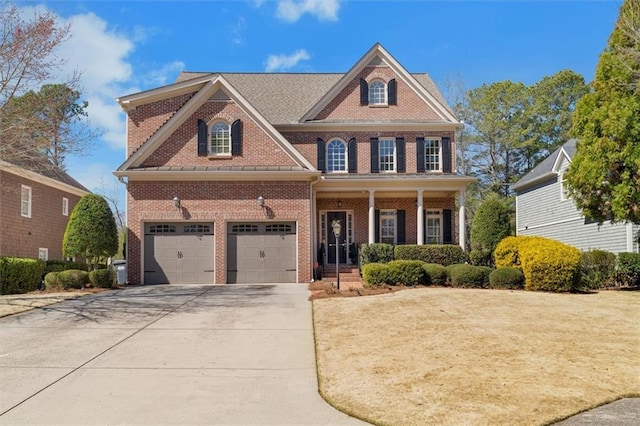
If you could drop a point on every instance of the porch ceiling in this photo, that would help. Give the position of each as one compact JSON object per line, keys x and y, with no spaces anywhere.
{"x":394,"y":184}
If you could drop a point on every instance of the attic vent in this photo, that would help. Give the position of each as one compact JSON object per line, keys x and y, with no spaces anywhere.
{"x":220,"y":95}
{"x":377,"y":62}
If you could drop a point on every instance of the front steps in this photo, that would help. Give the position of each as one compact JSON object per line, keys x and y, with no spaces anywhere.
{"x":349,"y":276}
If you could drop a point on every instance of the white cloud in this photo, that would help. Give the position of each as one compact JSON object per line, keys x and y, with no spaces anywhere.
{"x":284,"y":62}
{"x":324,"y":10}
{"x":237,"y":30}
{"x":160,"y":76}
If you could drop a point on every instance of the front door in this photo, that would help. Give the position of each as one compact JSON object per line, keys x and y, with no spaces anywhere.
{"x":331,"y":240}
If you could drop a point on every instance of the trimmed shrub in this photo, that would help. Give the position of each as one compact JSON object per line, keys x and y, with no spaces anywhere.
{"x":597,"y":268}
{"x":100,"y":278}
{"x":450,"y":268}
{"x":436,"y":274}
{"x":20,"y":275}
{"x":442,"y":254}
{"x":376,"y":274}
{"x":480,"y":257}
{"x":629,"y":268}
{"x":467,"y":276}
{"x":548,"y":265}
{"x":73,"y":278}
{"x":491,"y":223}
{"x":51,"y":281}
{"x":407,"y":272}
{"x":63,"y":265}
{"x":507,"y":278}
{"x":486,"y":271}
{"x":376,"y":253}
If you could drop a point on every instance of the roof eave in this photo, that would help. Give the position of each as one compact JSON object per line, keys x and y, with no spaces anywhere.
{"x":199,"y":175}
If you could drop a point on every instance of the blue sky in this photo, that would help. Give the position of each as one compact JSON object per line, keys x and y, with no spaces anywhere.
{"x":123,"y":47}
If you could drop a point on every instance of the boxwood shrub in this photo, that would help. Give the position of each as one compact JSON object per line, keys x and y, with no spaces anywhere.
{"x":100,"y":278}
{"x":63,"y":265}
{"x":436,"y":274}
{"x":376,"y":253}
{"x":468,"y":276}
{"x":442,"y":254}
{"x":507,"y":278}
{"x":629,"y":268}
{"x":20,"y":275}
{"x":450,"y":268}
{"x":406,"y":272}
{"x":73,"y":278}
{"x":376,"y":274}
{"x":597,"y":269}
{"x":51,"y":281}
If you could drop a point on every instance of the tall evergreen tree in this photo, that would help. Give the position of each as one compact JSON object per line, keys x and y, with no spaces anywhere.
{"x":604,"y":176}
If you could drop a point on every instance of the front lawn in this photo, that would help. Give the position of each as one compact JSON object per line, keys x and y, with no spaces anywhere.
{"x":454,"y":356}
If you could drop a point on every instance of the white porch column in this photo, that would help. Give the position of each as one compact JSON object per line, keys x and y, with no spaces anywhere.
{"x":461,"y":219}
{"x":420,"y":218}
{"x":372,"y":217}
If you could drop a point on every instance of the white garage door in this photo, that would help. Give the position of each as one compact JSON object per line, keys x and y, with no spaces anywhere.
{"x":178,"y":253}
{"x":261,"y":253}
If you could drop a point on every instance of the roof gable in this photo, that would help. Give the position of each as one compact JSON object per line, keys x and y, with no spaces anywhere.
{"x":213,"y":86}
{"x":550,"y":166}
{"x":49,"y":176}
{"x":375,"y":56}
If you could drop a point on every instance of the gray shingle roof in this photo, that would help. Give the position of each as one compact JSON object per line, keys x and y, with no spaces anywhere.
{"x":545,"y":168}
{"x":283,"y":98}
{"x":46,"y":169}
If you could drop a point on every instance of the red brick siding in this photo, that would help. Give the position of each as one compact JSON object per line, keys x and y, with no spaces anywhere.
{"x":218,"y":202}
{"x":21,"y":236}
{"x":181,"y":148}
{"x":346,"y":105}
{"x":306,"y":144}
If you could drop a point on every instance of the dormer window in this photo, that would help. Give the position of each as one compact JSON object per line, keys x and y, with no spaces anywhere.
{"x":377,"y":93}
{"x":220,"y":139}
{"x":336,"y":156}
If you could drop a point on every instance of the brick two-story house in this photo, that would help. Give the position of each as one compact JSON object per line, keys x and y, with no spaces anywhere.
{"x":237,"y":177}
{"x":35,"y":205}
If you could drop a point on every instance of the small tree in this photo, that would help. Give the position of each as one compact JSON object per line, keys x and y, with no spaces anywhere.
{"x":91,"y":231}
{"x":491,"y":223}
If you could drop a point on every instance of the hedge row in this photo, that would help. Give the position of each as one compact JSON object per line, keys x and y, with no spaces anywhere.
{"x":440,"y":254}
{"x":20,"y":275}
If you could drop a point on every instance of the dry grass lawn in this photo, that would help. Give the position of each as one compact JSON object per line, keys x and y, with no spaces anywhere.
{"x":454,"y":356}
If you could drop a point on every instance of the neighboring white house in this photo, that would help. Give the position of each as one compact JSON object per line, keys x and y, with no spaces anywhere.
{"x":544,"y":209}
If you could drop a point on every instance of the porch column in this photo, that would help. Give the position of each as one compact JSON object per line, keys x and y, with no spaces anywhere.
{"x":420,"y":219}
{"x":372,"y":217}
{"x":461,"y":219}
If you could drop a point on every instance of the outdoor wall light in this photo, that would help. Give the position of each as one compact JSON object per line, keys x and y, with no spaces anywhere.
{"x":176,"y":202}
{"x":336,"y":227}
{"x":339,"y":203}
{"x":261,"y":202}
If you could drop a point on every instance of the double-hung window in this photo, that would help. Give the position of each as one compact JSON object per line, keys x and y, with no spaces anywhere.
{"x":387,"y":154}
{"x":433,"y":228}
{"x":65,"y":206}
{"x":378,"y":93}
{"x":25,"y":201}
{"x":388,"y":226}
{"x":220,"y":139}
{"x":336,"y":156}
{"x":432,"y":155}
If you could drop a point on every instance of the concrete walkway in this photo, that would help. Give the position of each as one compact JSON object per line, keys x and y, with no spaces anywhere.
{"x":165,"y":355}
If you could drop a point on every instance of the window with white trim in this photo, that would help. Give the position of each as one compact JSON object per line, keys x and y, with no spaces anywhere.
{"x":433,"y":227}
{"x":377,"y":93}
{"x":336,"y":156}
{"x":43,"y":254}
{"x":220,"y":138}
{"x":25,"y":202}
{"x":388,"y":226}
{"x":387,"y":154}
{"x":65,"y":206}
{"x":564,"y":192}
{"x":432,"y":155}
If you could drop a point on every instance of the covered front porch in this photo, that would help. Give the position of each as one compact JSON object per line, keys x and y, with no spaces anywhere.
{"x":382,"y":210}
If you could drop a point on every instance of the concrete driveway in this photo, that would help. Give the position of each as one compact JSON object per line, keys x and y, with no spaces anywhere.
{"x":240,"y":354}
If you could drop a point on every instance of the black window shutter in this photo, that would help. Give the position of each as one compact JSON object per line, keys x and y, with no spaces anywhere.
{"x":322,"y":155}
{"x":400,"y":224}
{"x":447,"y":232}
{"x":392,"y":92}
{"x":236,"y":138}
{"x":377,"y":236}
{"x":446,"y":155}
{"x":353,"y":156}
{"x":202,"y":138}
{"x":374,"y":156}
{"x":400,"y":154}
{"x":364,"y":92}
{"x":420,"y":156}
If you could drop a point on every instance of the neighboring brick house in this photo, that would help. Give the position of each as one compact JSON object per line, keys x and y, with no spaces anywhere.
{"x":35,"y":204}
{"x":544,"y":209}
{"x":237,"y":177}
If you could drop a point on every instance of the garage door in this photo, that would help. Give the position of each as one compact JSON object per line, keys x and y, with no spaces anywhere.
{"x":178,"y":253}
{"x":261,"y":253}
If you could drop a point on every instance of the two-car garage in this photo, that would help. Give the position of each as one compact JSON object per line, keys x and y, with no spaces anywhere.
{"x":184,"y":253}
